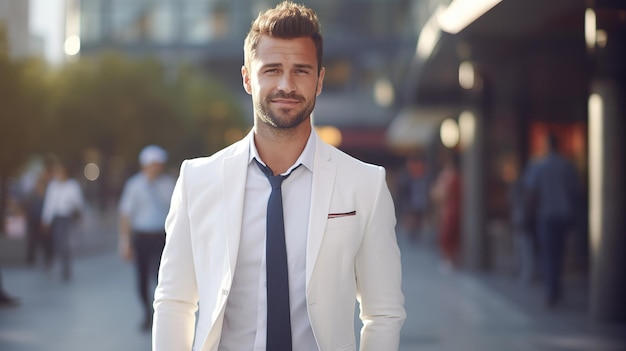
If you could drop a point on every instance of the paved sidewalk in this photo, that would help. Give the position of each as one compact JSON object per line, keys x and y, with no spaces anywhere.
{"x":485,"y":312}
{"x":98,"y":309}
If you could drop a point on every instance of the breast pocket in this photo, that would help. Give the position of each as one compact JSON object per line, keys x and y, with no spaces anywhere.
{"x":343,"y":234}
{"x":342,"y":222}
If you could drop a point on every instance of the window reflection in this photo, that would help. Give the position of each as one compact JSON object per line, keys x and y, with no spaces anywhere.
{"x":196,"y":24}
{"x":91,"y":24}
{"x":362,"y":35}
{"x":143,"y":20}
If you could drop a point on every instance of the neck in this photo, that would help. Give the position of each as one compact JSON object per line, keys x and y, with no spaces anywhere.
{"x":279,"y":150}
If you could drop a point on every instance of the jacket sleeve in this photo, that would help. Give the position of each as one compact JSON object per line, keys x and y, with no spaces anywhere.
{"x":379,"y":275}
{"x":176,"y":295}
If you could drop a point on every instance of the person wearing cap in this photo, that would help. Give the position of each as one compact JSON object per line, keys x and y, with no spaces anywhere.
{"x":143,"y":207}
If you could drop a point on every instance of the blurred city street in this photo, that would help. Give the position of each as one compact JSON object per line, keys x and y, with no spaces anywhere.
{"x":489,"y":312}
{"x":98,"y":309}
{"x":498,"y":122}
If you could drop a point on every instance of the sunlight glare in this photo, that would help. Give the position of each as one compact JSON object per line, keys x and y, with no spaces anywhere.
{"x":449,"y":133}
{"x":92,"y":172}
{"x":72,"y":45}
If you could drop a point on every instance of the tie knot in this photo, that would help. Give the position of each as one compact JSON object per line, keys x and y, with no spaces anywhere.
{"x":275,"y":180}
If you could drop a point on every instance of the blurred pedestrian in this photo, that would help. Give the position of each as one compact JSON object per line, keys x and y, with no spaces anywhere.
{"x":143,"y":207}
{"x":522,"y":224}
{"x":446,"y":193}
{"x":554,"y":192}
{"x":37,"y":242}
{"x":62,"y":209}
{"x":412,"y":196}
{"x":271,"y":240}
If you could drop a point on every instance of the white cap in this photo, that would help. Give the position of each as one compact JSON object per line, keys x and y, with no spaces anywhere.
{"x":152,"y":154}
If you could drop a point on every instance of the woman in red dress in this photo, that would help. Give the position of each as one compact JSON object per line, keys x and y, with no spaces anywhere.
{"x":446,"y":193}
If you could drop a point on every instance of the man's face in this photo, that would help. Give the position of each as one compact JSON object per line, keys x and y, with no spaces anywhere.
{"x":283,"y":81}
{"x":61,"y":173}
{"x":154,"y":169}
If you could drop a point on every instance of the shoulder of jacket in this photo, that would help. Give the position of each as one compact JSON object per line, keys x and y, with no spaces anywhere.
{"x":214,"y":159}
{"x":349,"y":162}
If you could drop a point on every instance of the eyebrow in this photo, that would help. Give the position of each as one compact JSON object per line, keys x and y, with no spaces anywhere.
{"x":304,"y":65}
{"x":297,"y":65}
{"x":271,"y":65}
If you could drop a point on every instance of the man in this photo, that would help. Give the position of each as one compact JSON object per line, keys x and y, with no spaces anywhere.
{"x":143,"y":207}
{"x":554,"y":194}
{"x":338,"y":222}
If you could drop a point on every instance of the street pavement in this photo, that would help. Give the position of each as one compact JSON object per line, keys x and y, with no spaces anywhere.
{"x":463,"y":311}
{"x":454,"y":311}
{"x":97,"y":310}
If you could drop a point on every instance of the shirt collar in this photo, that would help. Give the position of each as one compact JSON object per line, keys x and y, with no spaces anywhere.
{"x":306,"y":157}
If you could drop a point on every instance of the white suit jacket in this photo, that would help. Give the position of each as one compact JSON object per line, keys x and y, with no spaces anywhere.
{"x":347,"y":257}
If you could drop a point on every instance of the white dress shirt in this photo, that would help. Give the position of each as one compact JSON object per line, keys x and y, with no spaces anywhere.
{"x":245,"y":321}
{"x":61,"y":199}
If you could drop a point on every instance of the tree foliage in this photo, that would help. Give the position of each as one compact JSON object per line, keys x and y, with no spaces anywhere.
{"x":118,"y":105}
{"x":19,"y":110}
{"x":113,"y":105}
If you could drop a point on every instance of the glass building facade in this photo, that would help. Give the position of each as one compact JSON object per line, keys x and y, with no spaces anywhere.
{"x":202,"y":21}
{"x":366,"y":41}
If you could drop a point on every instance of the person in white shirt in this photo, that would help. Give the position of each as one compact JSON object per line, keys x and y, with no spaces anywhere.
{"x":62,"y":206}
{"x":226,"y":280}
{"x":143,"y":207}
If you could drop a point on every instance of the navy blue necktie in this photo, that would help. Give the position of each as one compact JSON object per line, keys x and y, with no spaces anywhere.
{"x":278,"y":311}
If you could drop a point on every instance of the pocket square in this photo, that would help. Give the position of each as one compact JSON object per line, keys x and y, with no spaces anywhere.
{"x":343,"y":214}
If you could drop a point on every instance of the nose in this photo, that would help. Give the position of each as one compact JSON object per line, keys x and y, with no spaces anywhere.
{"x":286,"y":83}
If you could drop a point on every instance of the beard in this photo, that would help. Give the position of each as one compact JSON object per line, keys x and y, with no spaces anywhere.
{"x":284,"y":118}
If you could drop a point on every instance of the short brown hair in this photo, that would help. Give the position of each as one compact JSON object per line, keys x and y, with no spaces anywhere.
{"x":286,"y":21}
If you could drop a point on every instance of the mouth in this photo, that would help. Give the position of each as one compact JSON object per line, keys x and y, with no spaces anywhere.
{"x":285,"y":102}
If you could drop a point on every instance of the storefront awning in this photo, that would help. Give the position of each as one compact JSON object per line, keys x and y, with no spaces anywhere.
{"x":417,"y":127}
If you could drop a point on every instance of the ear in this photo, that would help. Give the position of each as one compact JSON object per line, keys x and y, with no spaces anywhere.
{"x":245,"y":75}
{"x":320,"y":82}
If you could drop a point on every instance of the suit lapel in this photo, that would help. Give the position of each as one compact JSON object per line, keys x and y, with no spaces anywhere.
{"x":234,"y":175}
{"x":324,"y":169}
{"x":233,"y":193}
